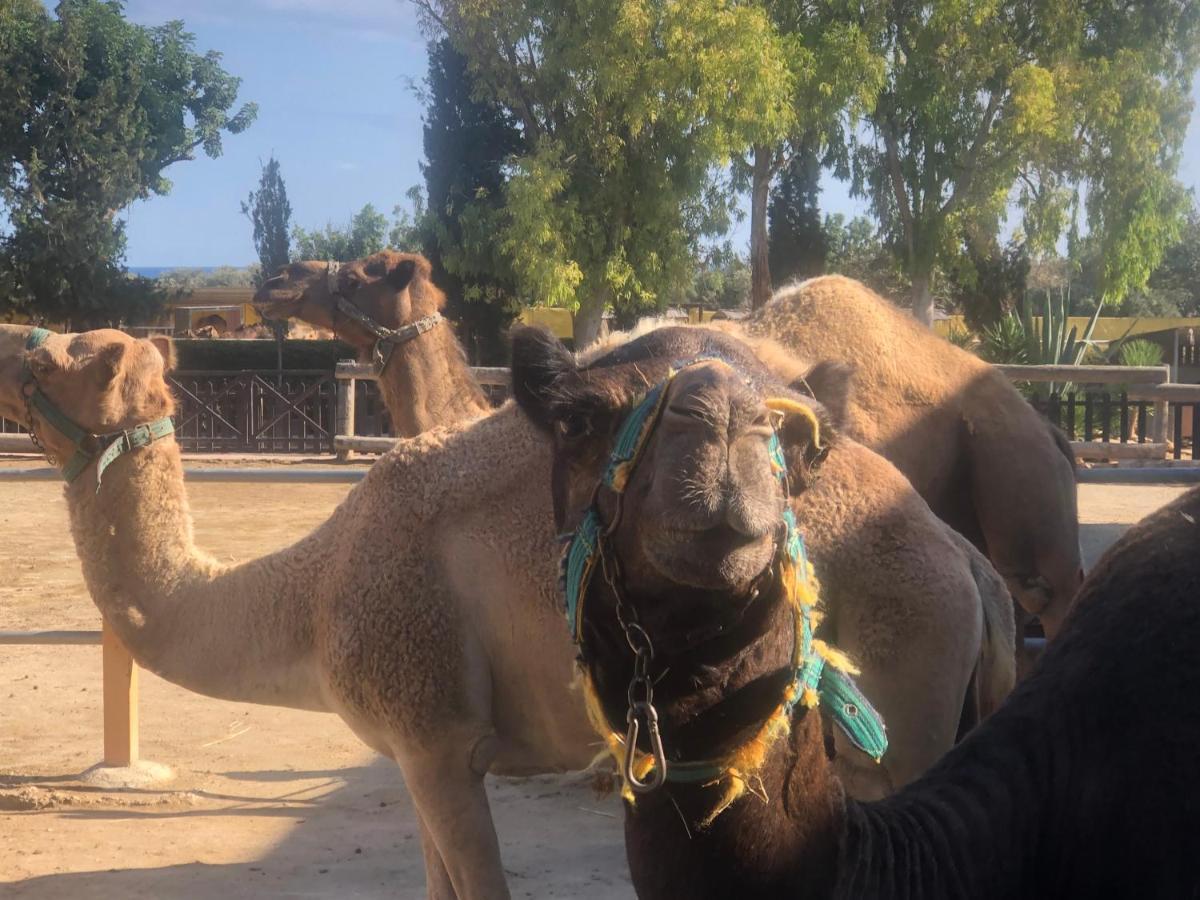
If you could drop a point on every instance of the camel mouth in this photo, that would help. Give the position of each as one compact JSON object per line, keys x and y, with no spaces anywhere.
{"x":276,"y":302}
{"x":712,"y":559}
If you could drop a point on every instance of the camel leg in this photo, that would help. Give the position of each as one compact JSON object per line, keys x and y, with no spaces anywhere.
{"x":453,"y":805}
{"x":437,"y":880}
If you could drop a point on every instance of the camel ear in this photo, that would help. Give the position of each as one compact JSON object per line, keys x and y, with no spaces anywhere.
{"x":166,"y":349}
{"x":401,"y":274}
{"x":109,"y":362}
{"x":830,"y":383}
{"x":540,"y":365}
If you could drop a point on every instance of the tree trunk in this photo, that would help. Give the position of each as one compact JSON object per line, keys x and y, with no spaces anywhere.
{"x":589,"y":318}
{"x":922,"y":296}
{"x":760,"y":271}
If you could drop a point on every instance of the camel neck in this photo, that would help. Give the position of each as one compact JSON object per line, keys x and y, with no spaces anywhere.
{"x":239,"y":633}
{"x":427,"y":383}
{"x":710,"y":699}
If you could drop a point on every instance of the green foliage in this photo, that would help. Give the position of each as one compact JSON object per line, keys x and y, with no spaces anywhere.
{"x":1141,"y":352}
{"x":855,"y":250}
{"x":626,"y":112}
{"x":364,"y":234}
{"x":961,"y":338}
{"x":797,"y":242}
{"x":93,"y":110}
{"x":467,"y":138}
{"x":270,"y":213}
{"x":984,"y":96}
{"x":1005,"y":342}
{"x":1054,"y":341}
{"x":986,"y":280}
{"x":721,"y":280}
{"x":190,"y":279}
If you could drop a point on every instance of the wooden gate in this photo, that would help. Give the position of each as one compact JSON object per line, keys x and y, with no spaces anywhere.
{"x":254,"y":412}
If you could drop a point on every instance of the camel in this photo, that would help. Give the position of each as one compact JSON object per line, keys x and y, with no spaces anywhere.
{"x":982,"y":458}
{"x":1083,"y":784}
{"x":417,"y":634}
{"x":935,"y":660}
{"x":972,"y":447}
{"x":387,"y":307}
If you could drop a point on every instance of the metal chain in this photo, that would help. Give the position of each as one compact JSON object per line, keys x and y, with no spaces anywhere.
{"x":639,"y":694}
{"x":28,"y":397}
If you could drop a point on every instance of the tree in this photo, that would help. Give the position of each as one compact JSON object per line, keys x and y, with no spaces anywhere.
{"x":798,"y":244}
{"x":625,"y":112}
{"x":270,"y":213}
{"x":855,"y":250}
{"x":986,"y":281}
{"x":987,"y":100}
{"x":834,"y":73}
{"x":363,"y":235}
{"x":192,"y":279}
{"x":467,"y":139}
{"x":94,"y":110}
{"x":721,"y":279}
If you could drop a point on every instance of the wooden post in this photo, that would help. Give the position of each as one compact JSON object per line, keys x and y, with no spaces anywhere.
{"x":345,"y":415}
{"x":120,"y":702}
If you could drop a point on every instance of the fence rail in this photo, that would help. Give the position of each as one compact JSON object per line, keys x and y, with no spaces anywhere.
{"x":1107,"y":412}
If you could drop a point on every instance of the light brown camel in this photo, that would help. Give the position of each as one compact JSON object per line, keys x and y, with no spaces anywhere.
{"x":417,"y":634}
{"x":1083,"y":784}
{"x":916,"y":605}
{"x":387,"y":307}
{"x":984,"y":460}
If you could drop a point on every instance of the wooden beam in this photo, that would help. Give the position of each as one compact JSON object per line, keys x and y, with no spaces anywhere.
{"x":120,"y":702}
{"x":493,"y":375}
{"x":348,"y":368}
{"x":1171,"y":392}
{"x":49,"y":638}
{"x":1088,"y":374}
{"x":361,"y":444}
{"x":344,"y":420}
{"x":1099,"y":450}
{"x":16,"y":443}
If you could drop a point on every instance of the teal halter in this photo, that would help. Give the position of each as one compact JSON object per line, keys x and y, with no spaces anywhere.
{"x":103,"y":449}
{"x":814,"y":681}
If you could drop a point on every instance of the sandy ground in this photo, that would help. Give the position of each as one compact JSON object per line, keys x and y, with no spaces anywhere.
{"x":265,"y":802}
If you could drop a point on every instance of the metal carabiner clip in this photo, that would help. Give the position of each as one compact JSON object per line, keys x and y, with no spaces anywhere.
{"x":658,"y":774}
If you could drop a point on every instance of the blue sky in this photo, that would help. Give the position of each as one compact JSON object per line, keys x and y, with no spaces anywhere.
{"x":332,"y":81}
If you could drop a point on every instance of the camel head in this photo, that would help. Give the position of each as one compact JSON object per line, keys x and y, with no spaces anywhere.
{"x":103,"y":381}
{"x":388,"y":288}
{"x":698,"y":520}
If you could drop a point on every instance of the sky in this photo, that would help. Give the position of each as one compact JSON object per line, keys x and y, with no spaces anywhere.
{"x":333,"y":80}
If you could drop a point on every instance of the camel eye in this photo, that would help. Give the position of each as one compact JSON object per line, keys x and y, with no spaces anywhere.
{"x":574,"y":427}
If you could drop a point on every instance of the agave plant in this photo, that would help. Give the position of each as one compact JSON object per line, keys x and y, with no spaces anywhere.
{"x":1005,"y":342}
{"x":1054,"y":344}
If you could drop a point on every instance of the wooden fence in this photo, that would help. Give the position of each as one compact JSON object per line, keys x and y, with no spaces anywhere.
{"x":1108,"y":412}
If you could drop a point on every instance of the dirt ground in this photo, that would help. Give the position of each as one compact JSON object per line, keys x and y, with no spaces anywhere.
{"x":264,"y":802}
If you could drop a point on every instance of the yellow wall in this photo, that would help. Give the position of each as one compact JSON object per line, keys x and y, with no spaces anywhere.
{"x":561,"y":322}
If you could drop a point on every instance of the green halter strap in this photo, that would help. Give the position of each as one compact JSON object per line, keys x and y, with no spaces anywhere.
{"x":104,"y":449}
